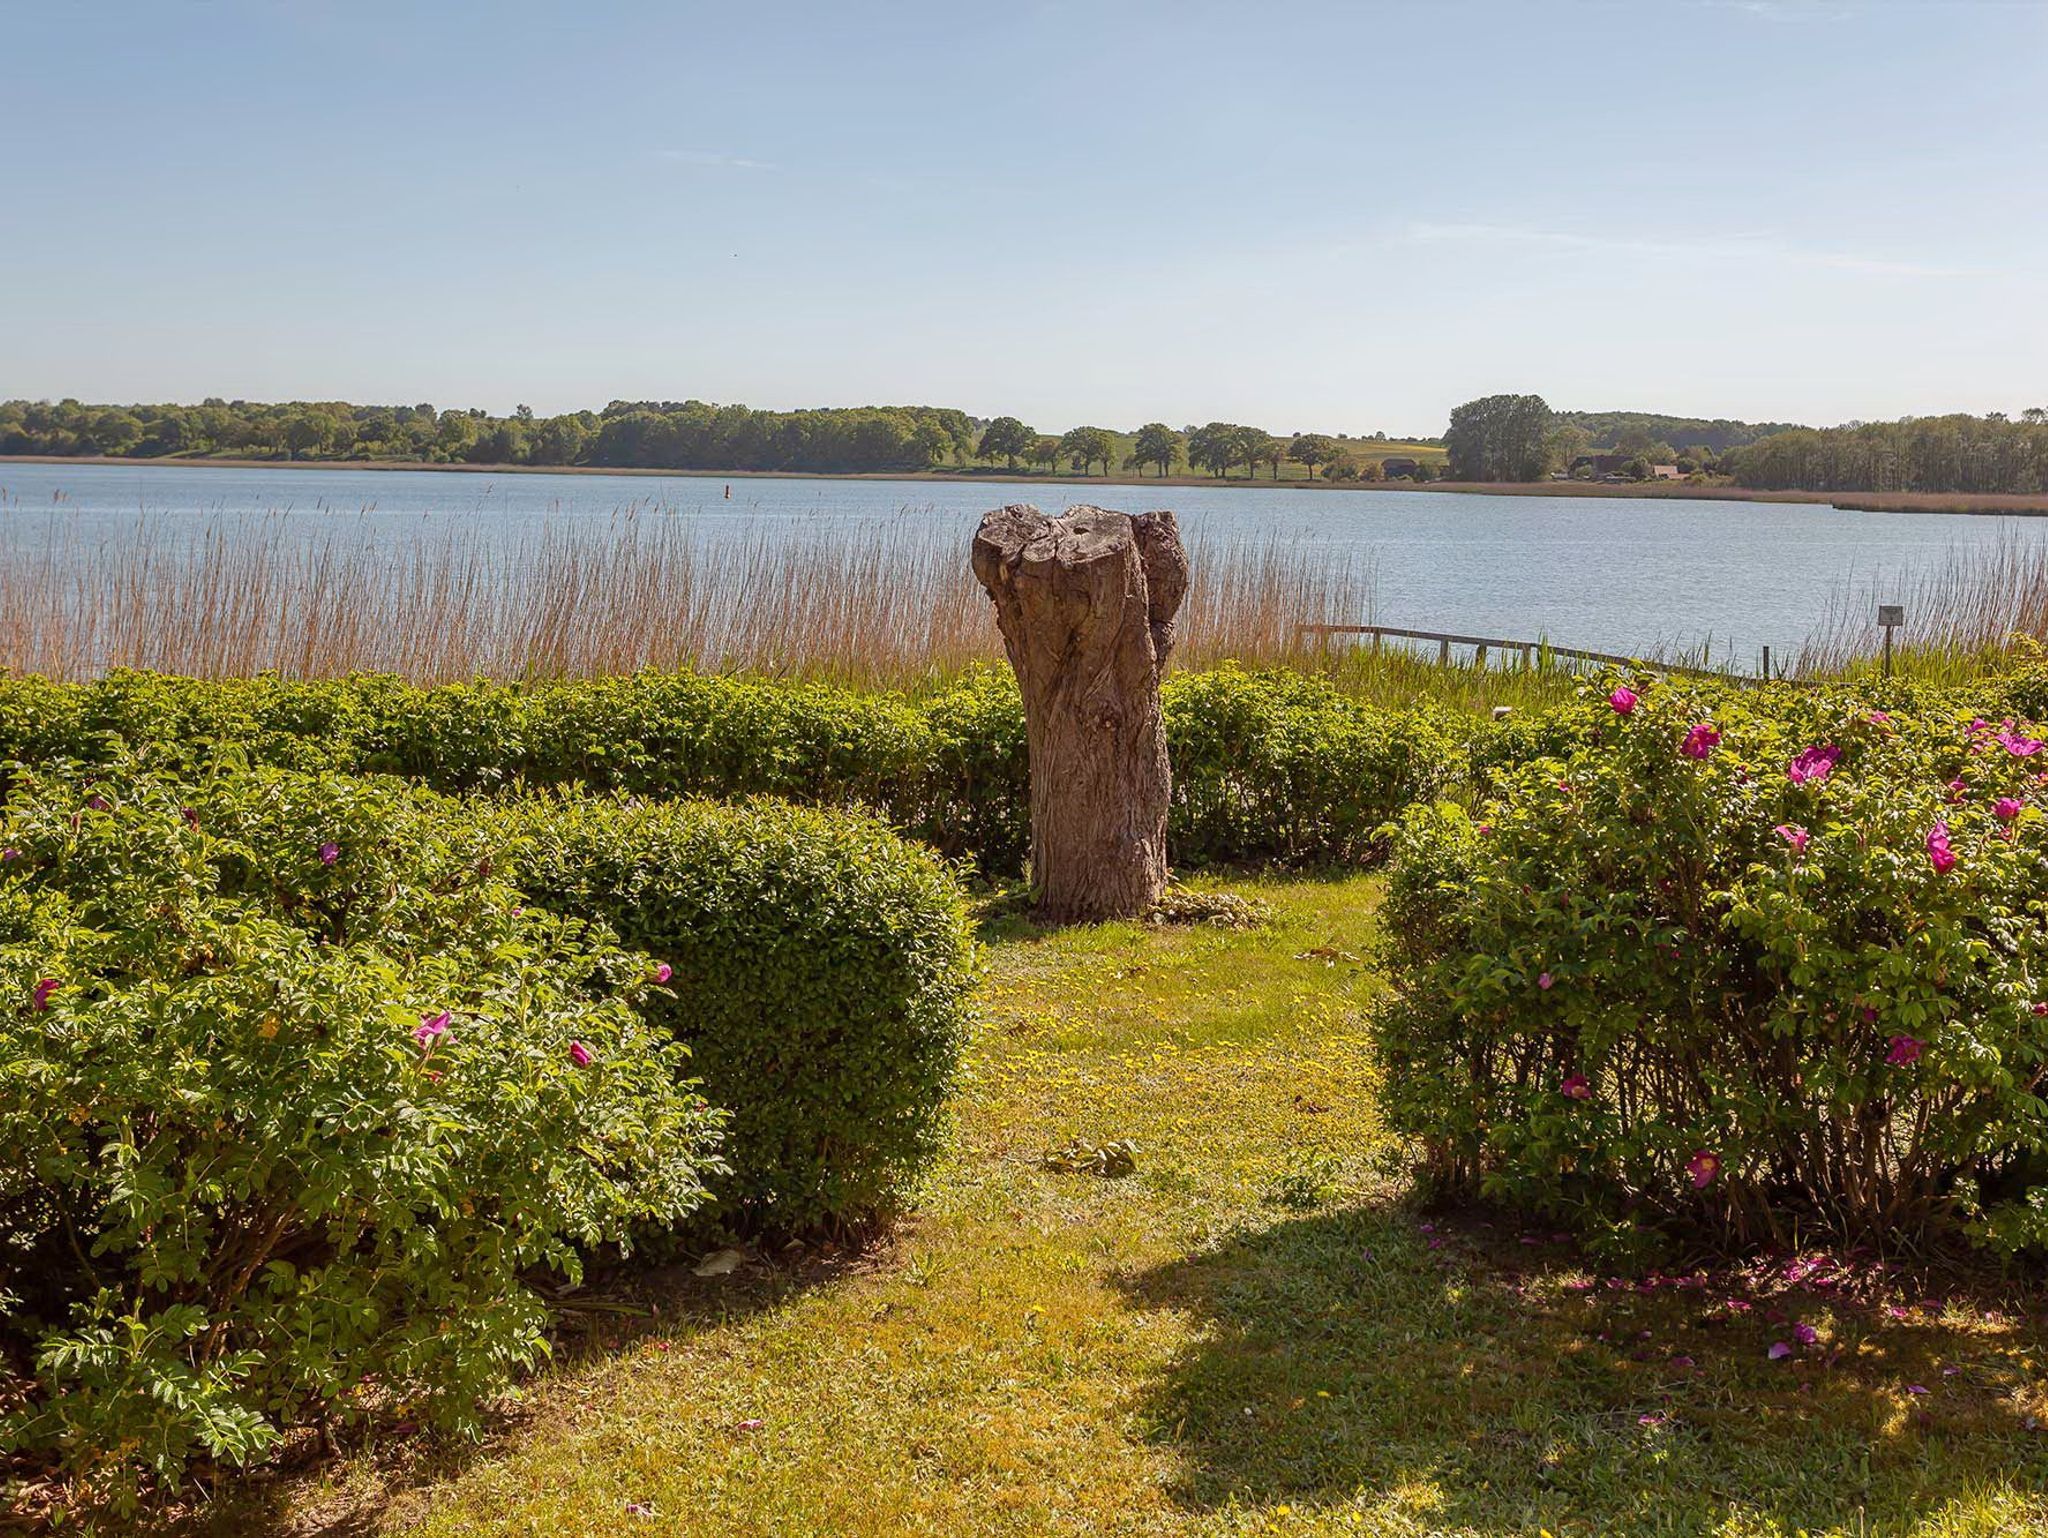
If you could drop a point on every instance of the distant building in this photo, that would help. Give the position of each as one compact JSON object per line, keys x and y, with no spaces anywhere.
{"x":1398,"y":465}
{"x":1666,"y":473}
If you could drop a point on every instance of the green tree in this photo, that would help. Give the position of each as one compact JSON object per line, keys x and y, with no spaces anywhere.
{"x":1084,"y":446}
{"x":114,"y":432}
{"x":1500,"y":438}
{"x":304,"y":432}
{"x":1312,"y":449}
{"x":1046,"y":451}
{"x":1214,"y":447}
{"x":1255,"y":447}
{"x":1007,"y":439}
{"x":1158,"y":445}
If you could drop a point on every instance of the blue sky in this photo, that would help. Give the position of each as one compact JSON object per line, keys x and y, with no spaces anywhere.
{"x":1314,"y":216}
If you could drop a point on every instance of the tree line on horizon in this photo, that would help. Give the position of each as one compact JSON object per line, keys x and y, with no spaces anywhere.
{"x":656,"y":435}
{"x":1496,"y":438}
{"x":1519,"y":438}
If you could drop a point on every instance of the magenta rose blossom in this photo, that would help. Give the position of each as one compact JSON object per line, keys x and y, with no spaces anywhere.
{"x":429,"y":1028}
{"x":1544,"y":981}
{"x":1575,"y":1087}
{"x":663,"y":972}
{"x":2016,"y":745}
{"x":1703,"y":1166}
{"x":1623,"y":700}
{"x":1939,"y":855}
{"x":579,"y":1054}
{"x":329,"y":853}
{"x":2006,"y":808}
{"x":1792,"y":834}
{"x":1904,"y":1052}
{"x":1700,"y":741}
{"x":1813,"y":764}
{"x":44,"y":989}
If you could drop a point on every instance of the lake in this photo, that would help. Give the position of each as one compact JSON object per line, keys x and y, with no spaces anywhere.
{"x":1617,"y":574}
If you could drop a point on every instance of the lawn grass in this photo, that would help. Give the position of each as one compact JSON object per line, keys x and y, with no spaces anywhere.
{"x":1254,"y":1332}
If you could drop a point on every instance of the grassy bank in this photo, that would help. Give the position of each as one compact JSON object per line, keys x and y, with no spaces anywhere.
{"x":1252,"y":1332}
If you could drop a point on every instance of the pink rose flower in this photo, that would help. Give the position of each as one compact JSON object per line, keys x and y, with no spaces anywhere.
{"x":43,"y":990}
{"x":329,"y":853}
{"x":663,"y":972}
{"x":1544,"y":981}
{"x":1939,"y":855}
{"x":2006,"y":808}
{"x":1623,"y":700}
{"x":1576,"y":1087}
{"x":1703,"y":1167}
{"x":1813,"y":764}
{"x":1792,"y":834}
{"x":1700,"y":741}
{"x":1903,"y":1052}
{"x":579,"y":1054}
{"x":430,"y":1028}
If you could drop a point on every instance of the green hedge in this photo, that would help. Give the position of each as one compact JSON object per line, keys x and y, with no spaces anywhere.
{"x":1761,"y":963}
{"x":821,"y":967}
{"x":296,"y":1092}
{"x":1268,"y":766}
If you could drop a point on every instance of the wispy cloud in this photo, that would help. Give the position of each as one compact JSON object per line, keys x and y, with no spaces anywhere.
{"x":1759,"y":250}
{"x":713,"y":158}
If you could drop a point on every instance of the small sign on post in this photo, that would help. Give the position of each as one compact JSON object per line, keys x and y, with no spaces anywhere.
{"x":1890,"y":616}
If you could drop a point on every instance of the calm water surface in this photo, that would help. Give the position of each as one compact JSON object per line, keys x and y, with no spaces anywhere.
{"x":1611,"y":574}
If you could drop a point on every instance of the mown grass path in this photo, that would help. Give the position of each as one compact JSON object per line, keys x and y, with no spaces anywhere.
{"x":1250,"y":1334}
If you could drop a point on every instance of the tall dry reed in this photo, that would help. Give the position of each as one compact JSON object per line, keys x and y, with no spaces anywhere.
{"x":320,"y":595}
{"x":1963,"y":613}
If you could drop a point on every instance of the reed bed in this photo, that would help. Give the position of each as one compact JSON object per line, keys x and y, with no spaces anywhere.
{"x":1965,"y":614}
{"x":318,"y":595}
{"x":885,"y":603}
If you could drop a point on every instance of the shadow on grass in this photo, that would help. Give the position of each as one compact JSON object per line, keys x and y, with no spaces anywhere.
{"x":628,"y":1310}
{"x":1476,"y":1381}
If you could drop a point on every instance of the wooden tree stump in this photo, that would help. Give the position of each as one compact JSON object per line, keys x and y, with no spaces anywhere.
{"x":1086,"y":602}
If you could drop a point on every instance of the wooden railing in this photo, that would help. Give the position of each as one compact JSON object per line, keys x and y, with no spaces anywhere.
{"x":1481,"y":645}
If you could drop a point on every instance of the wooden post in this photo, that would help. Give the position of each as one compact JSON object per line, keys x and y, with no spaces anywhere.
{"x":1443,"y":655}
{"x":1767,"y":664}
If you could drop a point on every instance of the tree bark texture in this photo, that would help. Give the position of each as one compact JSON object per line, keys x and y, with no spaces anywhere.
{"x":1086,"y":602}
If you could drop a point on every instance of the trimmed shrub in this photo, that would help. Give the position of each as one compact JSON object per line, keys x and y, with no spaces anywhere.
{"x":1279,"y":767}
{"x":821,"y":973}
{"x":294,"y":1095}
{"x":1749,"y":963}
{"x":1268,"y":766}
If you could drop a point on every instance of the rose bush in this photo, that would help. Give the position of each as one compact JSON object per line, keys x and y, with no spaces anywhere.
{"x":1745,"y":961}
{"x":295,"y":1099}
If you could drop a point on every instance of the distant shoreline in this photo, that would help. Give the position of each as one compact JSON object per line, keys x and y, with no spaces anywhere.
{"x":1988,"y":504}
